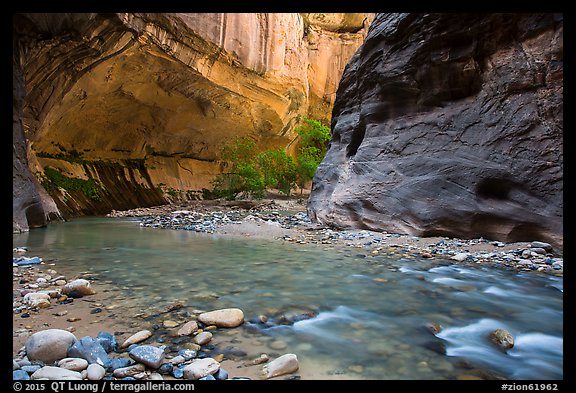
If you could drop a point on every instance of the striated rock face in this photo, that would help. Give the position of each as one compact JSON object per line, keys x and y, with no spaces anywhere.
{"x":139,"y":105}
{"x":451,"y":125}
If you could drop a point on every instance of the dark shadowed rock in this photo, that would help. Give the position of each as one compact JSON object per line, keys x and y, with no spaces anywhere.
{"x":449,"y":125}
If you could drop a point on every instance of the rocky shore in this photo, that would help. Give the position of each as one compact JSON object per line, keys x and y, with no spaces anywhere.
{"x":173,"y":343}
{"x":286,"y":220}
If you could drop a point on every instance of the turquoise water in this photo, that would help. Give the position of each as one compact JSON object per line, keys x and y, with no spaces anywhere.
{"x":369,"y":311}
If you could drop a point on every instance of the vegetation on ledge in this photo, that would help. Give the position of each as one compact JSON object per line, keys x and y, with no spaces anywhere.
{"x":251,"y":172}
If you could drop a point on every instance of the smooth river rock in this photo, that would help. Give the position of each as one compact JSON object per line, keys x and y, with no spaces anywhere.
{"x":227,"y":317}
{"x":37,"y":299}
{"x":49,"y":345}
{"x":74,"y":364}
{"x":136,"y":338}
{"x":188,"y":328}
{"x":80,"y":286}
{"x":56,"y":373}
{"x":95,"y":372}
{"x":203,"y":338}
{"x":285,"y":364}
{"x":149,"y":355}
{"x":200,"y":368}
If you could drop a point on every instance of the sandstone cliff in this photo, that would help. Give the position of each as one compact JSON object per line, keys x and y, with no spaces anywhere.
{"x":132,"y":110}
{"x":449,"y":124}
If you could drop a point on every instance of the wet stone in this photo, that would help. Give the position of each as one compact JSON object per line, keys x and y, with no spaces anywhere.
{"x":148,"y":355}
{"x":90,"y":349}
{"x":108,"y":341}
{"x":20,"y":375}
{"x":166,"y":368}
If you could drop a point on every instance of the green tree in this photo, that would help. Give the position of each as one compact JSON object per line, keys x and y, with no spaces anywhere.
{"x":278,"y":169}
{"x":314,"y":138}
{"x":244,"y":176}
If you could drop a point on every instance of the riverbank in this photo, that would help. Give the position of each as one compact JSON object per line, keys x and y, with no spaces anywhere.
{"x":286,"y":220}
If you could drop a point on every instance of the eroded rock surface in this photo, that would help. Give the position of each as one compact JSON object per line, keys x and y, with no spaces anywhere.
{"x":138,"y":106}
{"x":450,"y":125}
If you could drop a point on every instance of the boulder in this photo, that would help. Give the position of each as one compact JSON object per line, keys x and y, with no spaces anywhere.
{"x":285,"y":364}
{"x":227,"y":317}
{"x":49,"y":345}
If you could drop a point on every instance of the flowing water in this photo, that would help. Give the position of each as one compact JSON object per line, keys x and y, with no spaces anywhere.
{"x":369,"y":312}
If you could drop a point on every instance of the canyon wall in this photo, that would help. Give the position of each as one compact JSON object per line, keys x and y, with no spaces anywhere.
{"x":449,"y":125}
{"x":130,"y":110}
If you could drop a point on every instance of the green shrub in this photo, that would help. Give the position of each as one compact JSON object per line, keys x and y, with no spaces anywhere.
{"x":53,"y":180}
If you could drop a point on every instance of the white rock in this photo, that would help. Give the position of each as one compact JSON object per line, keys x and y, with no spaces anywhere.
{"x":203,"y":338}
{"x":55,"y":373}
{"x":96,"y":372}
{"x":81,"y":285}
{"x":49,"y":345}
{"x":200,"y":368}
{"x":136,"y":338}
{"x":285,"y":364}
{"x":74,"y":364}
{"x":460,"y":257}
{"x":226,"y":317}
{"x":37,"y":299}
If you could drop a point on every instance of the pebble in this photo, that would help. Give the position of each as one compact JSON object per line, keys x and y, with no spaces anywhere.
{"x":188,"y":328}
{"x":170,"y":324}
{"x":203,"y":338}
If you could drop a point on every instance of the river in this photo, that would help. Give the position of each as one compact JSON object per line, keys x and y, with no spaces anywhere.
{"x":369,"y":312}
